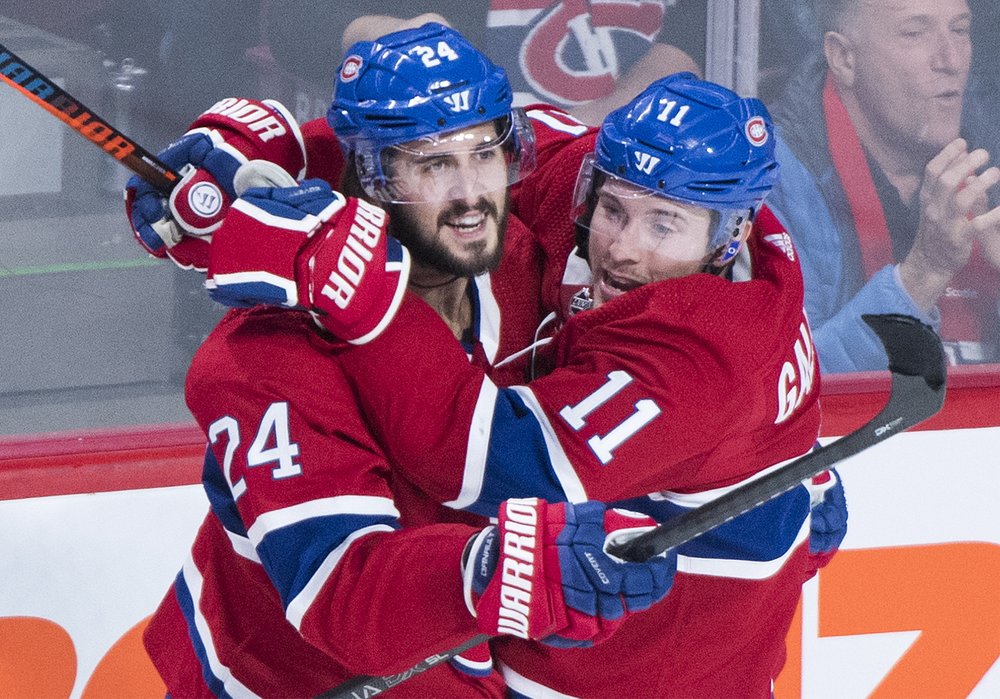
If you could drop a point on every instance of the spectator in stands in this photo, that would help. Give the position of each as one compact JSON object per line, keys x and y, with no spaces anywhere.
{"x":886,"y":200}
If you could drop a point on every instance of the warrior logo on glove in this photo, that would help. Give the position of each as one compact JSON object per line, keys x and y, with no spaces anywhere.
{"x":544,"y":572}
{"x":205,"y":199}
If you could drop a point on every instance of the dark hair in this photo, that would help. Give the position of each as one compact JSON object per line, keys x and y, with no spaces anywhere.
{"x":350,"y":183}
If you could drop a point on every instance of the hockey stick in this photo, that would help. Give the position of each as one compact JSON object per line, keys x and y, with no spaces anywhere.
{"x":46,"y":94}
{"x":916,"y":362}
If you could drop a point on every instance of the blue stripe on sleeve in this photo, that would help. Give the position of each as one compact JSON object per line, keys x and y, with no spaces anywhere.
{"x":517,"y":460}
{"x":291,"y":555}
{"x":184,"y":600}
{"x":762,"y":534}
{"x":220,"y":497}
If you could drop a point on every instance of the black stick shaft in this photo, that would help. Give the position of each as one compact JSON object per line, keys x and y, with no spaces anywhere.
{"x":39,"y":89}
{"x":364,"y":686}
{"x":917,"y":365}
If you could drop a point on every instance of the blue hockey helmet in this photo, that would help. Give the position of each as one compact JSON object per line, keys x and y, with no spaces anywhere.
{"x":693,"y":141}
{"x":421,"y":89}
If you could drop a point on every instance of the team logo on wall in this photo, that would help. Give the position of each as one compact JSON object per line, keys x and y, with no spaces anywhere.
{"x":350,"y":68}
{"x":569,"y":52}
{"x":756,"y":131}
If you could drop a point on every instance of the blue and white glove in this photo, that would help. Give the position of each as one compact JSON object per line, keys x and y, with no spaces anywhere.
{"x":829,"y":514}
{"x":207,"y":157}
{"x":544,"y":573}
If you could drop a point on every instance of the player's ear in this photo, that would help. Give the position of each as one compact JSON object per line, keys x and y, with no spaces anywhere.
{"x":839,"y":52}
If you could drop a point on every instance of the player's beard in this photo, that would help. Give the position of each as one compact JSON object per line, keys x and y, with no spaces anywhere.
{"x":431,"y":251}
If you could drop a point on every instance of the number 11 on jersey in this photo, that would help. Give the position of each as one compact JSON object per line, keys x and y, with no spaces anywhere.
{"x":603,"y":446}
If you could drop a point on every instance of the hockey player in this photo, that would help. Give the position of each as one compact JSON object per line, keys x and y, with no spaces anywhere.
{"x":317,"y":561}
{"x":665,"y":395}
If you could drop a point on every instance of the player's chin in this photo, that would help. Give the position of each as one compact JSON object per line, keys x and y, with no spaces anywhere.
{"x":602,"y":291}
{"x":479,"y":257}
{"x":938,"y":133}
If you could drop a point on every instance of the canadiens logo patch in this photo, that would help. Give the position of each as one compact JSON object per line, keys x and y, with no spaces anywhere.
{"x":350,"y":68}
{"x":783,"y":242}
{"x":756,"y":131}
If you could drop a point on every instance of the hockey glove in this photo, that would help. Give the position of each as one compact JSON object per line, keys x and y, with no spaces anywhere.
{"x":543,"y":572}
{"x":219,"y":141}
{"x":829,"y":515}
{"x":309,"y":247}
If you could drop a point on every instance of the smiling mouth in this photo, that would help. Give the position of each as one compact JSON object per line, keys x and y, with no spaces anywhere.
{"x":617,"y":285}
{"x":470,"y":223}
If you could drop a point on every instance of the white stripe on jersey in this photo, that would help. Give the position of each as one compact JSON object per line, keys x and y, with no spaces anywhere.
{"x":478,"y":447}
{"x":731,"y":567}
{"x":194,"y":581}
{"x":242,"y":546}
{"x":575,"y":129}
{"x":706,"y":496}
{"x":530,"y":688}
{"x":475,"y":665}
{"x":340,"y":505}
{"x":302,"y":602}
{"x":571,"y":485}
{"x":489,"y":317}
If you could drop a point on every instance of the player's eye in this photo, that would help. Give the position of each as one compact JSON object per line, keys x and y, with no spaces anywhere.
{"x":660,"y":230}
{"x":435,"y":166}
{"x":485,"y":155}
{"x":610,"y":210}
{"x":662,"y":226}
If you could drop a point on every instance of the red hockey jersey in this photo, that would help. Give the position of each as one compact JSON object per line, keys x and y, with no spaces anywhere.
{"x":306,"y":572}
